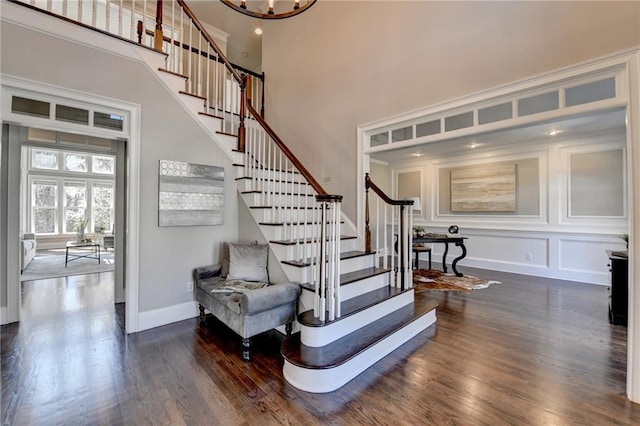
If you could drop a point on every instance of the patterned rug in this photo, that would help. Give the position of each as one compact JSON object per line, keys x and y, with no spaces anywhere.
{"x":431,"y":279}
{"x":50,"y":264}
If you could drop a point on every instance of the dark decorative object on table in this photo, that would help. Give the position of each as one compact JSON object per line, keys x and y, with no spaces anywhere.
{"x":453,"y":229}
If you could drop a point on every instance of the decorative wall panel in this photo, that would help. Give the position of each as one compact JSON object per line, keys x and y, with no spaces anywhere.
{"x":190,"y":194}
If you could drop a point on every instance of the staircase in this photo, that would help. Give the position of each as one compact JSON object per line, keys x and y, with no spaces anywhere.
{"x":357,"y":304}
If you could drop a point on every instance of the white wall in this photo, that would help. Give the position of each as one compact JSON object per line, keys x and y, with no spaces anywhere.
{"x":169,"y":254}
{"x":342,"y":63}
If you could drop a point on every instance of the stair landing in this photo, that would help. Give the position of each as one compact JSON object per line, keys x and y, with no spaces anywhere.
{"x":327,"y":368}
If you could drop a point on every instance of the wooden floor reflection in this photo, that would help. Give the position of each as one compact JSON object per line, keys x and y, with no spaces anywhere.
{"x":528,"y":351}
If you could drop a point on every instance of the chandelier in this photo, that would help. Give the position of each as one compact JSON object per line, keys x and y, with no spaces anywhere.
{"x":256,"y":10}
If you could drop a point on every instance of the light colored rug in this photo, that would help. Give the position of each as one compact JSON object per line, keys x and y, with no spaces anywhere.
{"x":431,"y":279}
{"x":50,"y":264}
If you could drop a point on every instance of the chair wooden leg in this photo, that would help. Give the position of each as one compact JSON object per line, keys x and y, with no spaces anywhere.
{"x":429,"y":258}
{"x":202,"y":315}
{"x":246,"y":349}
{"x":289,"y":328}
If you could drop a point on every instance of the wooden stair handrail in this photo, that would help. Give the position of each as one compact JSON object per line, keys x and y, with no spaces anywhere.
{"x":246,"y":105}
{"x":367,"y":229}
{"x":212,"y":43}
{"x":369,"y":184}
{"x":290,"y":155}
{"x":195,"y":50}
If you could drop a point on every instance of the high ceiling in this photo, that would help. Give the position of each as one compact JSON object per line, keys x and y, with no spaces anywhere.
{"x":574,"y":127}
{"x":244,"y":46}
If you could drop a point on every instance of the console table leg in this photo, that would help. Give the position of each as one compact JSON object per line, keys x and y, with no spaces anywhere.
{"x":444,"y":258}
{"x":457,"y":259}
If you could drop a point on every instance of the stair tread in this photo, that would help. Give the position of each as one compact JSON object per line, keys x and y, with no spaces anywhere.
{"x":352,"y":277}
{"x":271,"y":170}
{"x":210,"y":115}
{"x":182,"y":92}
{"x":349,"y":346}
{"x":352,"y":306}
{"x":308,"y":240}
{"x":177,"y":74}
{"x":343,"y":256}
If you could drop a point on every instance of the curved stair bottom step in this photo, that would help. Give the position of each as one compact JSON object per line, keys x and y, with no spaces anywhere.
{"x":323,"y":380}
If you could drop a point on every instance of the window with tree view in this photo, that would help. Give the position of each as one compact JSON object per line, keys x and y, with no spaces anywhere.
{"x":68,"y":190}
{"x":44,"y":203}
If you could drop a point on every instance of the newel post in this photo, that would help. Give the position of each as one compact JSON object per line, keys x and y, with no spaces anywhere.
{"x":367,"y":229}
{"x":242,"y":133}
{"x":158,"y":37}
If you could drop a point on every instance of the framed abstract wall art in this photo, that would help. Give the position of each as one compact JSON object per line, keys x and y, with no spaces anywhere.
{"x":190,"y":194}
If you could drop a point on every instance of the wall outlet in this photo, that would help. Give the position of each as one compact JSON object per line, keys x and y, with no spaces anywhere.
{"x":190,"y":286}
{"x":528,"y":256}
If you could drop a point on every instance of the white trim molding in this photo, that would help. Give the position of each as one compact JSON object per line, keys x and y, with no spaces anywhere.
{"x":167,"y":315}
{"x":15,"y":85}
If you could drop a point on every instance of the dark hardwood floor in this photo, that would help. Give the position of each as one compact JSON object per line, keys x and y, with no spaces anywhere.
{"x":528,"y":351}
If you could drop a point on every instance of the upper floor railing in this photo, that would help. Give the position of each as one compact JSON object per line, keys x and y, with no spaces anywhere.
{"x":290,"y":194}
{"x":165,"y":26}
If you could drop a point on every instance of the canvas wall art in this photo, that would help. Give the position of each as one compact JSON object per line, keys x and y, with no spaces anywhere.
{"x":190,"y":194}
{"x":487,"y":188}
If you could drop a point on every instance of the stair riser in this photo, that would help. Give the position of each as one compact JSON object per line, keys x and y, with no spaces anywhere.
{"x":176,"y":83}
{"x":303,"y":251}
{"x":268,"y":186}
{"x":230,"y":141}
{"x":285,"y":215}
{"x":357,"y":288}
{"x":289,"y":231}
{"x":321,"y":336}
{"x":261,"y":174}
{"x":330,"y":379}
{"x":194,"y":104}
{"x":212,"y":124}
{"x":268,"y":199}
{"x":302,"y":274}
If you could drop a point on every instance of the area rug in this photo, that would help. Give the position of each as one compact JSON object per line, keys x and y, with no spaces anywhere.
{"x":51,"y":265}
{"x":431,"y":279}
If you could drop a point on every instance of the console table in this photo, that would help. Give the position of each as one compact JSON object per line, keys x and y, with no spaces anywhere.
{"x":443,"y":239}
{"x":81,"y":250}
{"x":446,"y":239}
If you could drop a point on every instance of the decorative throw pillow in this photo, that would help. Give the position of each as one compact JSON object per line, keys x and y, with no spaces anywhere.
{"x":224,"y":271}
{"x":248,"y":262}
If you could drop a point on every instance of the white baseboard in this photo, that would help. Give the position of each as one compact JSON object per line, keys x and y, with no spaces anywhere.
{"x":3,"y":315}
{"x":170,"y":314}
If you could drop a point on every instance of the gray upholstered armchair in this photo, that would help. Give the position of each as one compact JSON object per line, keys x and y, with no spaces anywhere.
{"x":237,"y":292}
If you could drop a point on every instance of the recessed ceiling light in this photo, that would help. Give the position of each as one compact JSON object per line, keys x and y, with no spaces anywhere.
{"x":416,"y":154}
{"x":474,"y":145}
{"x":258,"y":31}
{"x":554,"y":132}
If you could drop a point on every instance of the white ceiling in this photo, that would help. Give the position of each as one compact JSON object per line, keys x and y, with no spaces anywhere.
{"x":610,"y":121}
{"x":244,"y":46}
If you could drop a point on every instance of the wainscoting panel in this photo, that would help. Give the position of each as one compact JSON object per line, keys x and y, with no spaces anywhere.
{"x":555,"y":255}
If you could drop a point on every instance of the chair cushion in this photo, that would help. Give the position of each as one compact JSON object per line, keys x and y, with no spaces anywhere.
{"x":248,"y":262}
